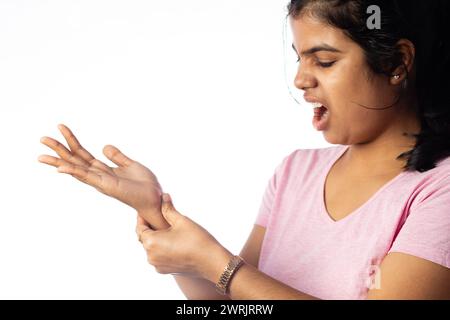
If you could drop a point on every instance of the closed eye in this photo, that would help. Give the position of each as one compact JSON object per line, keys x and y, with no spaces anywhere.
{"x":322,"y":64}
{"x":313,"y":50}
{"x":325,"y":64}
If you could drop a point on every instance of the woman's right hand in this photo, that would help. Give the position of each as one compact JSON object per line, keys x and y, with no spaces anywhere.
{"x":130,"y":182}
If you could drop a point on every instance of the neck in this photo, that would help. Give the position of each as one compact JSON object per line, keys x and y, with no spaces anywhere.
{"x":379,"y":155}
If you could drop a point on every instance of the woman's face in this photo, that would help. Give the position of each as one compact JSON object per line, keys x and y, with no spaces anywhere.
{"x":333,"y":71}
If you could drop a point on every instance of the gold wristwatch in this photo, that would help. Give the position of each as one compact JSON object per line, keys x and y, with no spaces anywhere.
{"x":223,"y":283}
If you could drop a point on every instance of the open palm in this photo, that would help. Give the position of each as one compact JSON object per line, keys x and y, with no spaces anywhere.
{"x":130,"y":182}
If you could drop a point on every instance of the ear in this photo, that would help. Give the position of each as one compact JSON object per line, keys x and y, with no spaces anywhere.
{"x":408,"y":52}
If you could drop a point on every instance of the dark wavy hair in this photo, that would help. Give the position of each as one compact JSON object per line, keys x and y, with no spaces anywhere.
{"x":426,"y":24}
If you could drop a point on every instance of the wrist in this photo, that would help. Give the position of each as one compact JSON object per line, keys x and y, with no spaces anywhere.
{"x":223,"y":285}
{"x":217,"y":260}
{"x":154,"y":218}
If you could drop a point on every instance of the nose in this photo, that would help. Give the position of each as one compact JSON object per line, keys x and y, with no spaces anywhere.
{"x":304,"y":79}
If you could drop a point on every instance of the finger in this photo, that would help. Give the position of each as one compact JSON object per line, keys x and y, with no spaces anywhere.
{"x":62,"y":151}
{"x":74,"y":144}
{"x":140,"y":228}
{"x":116,"y":156}
{"x":101,"y":166}
{"x":52,"y":161}
{"x":55,"y":162}
{"x":144,"y":235}
{"x":82,"y":173}
{"x":78,"y":149}
{"x":139,"y":223}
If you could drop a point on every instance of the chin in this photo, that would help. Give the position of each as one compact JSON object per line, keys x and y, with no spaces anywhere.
{"x":333,"y":138}
{"x":336,"y":139}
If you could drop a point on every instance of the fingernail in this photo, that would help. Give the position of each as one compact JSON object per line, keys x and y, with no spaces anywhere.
{"x":166,"y":197}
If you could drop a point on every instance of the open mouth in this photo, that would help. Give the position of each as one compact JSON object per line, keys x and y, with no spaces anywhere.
{"x":321,"y":116}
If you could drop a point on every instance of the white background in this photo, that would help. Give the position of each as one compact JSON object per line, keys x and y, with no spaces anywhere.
{"x":194,"y":89}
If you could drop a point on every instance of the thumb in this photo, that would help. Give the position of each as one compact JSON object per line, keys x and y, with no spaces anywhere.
{"x":116,"y":156}
{"x":168,"y":210}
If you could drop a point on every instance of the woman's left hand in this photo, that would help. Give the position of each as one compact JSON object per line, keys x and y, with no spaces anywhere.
{"x":184,"y":248}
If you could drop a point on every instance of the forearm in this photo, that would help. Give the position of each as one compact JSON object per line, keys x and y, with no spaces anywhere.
{"x":198,"y":288}
{"x":248,"y":283}
{"x":251,"y":284}
{"x":192,"y":288}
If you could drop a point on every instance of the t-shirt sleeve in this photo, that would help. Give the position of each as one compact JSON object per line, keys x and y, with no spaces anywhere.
{"x":426,"y":231}
{"x":265,"y":208}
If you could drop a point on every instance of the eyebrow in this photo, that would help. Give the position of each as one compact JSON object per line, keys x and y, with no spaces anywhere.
{"x":322,"y":47}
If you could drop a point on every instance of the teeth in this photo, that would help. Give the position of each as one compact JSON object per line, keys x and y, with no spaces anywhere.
{"x":316,"y":105}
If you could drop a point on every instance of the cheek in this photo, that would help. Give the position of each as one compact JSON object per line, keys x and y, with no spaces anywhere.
{"x":346,"y":75}
{"x":346,"y":88}
{"x":352,"y":85}
{"x":349,"y":80}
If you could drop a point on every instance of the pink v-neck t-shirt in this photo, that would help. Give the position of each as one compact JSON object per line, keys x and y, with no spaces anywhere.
{"x":306,"y":249}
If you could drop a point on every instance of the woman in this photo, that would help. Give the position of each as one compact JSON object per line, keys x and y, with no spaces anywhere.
{"x":366,"y":219}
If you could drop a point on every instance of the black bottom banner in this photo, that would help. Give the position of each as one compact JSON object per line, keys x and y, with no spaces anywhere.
{"x":199,"y":309}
